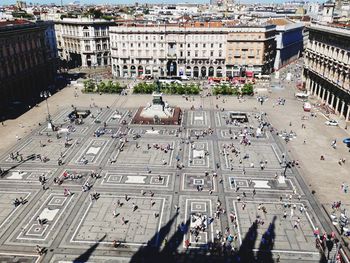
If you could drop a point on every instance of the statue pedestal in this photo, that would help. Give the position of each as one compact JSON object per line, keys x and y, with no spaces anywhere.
{"x":158,"y":112}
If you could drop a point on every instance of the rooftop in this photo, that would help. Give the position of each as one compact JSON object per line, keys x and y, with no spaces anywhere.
{"x":279,"y":21}
{"x":192,"y":24}
{"x":332,"y":28}
{"x":9,"y":23}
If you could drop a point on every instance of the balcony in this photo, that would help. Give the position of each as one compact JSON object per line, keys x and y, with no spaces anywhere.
{"x":173,"y":56}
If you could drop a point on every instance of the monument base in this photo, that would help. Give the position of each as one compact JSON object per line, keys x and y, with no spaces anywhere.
{"x":158,"y":118}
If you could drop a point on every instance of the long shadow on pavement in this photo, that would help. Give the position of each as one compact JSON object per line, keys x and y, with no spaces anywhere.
{"x":87,"y":254}
{"x":266,"y":244}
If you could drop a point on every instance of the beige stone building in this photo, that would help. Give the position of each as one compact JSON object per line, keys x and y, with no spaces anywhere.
{"x":250,"y":51}
{"x":194,"y":49}
{"x":327,"y":66}
{"x":27,"y":63}
{"x":83,"y":41}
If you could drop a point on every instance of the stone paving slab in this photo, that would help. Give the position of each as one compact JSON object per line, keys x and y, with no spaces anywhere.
{"x":157,"y":131}
{"x":287,"y":238}
{"x":191,"y":182}
{"x":18,"y":258}
{"x":92,"y":152}
{"x":51,"y":148}
{"x":190,"y":207}
{"x":53,"y":208}
{"x":137,"y":169}
{"x":145,"y":153}
{"x":261,"y":184}
{"x":8,"y":211}
{"x":63,"y":258}
{"x":138,"y":180}
{"x":198,"y":119}
{"x":246,"y":155}
{"x":117,"y":116}
{"x":222,"y":119}
{"x":199,"y":154}
{"x":105,"y":217}
{"x":25,"y":175}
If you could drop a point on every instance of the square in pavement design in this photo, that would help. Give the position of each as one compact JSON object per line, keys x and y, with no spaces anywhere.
{"x":154,"y":131}
{"x":138,"y":180}
{"x":51,"y":149}
{"x":93,"y":151}
{"x":198,"y":182}
{"x":199,"y":154}
{"x":260,"y":182}
{"x":144,"y":153}
{"x":198,"y":118}
{"x":26,"y":175}
{"x":286,"y":236}
{"x":234,"y":154}
{"x":52,"y":209}
{"x":195,"y":212}
{"x":8,"y":210}
{"x":134,"y":222}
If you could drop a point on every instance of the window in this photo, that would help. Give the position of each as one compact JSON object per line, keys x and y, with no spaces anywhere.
{"x":188,"y":53}
{"x":204,"y":45}
{"x":196,"y":45}
{"x":86,"y":34}
{"x":220,"y":45}
{"x":196,"y":53}
{"x":181,"y":54}
{"x":188,"y":45}
{"x":131,"y":44}
{"x":220,"y":53}
{"x":181,"y":45}
{"x":139,"y":44}
{"x":211,"y":45}
{"x":211,"y":53}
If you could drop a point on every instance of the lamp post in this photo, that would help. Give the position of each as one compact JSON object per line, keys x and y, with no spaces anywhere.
{"x":46,"y":94}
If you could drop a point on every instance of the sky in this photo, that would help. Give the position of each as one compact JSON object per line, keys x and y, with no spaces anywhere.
{"x":8,"y":2}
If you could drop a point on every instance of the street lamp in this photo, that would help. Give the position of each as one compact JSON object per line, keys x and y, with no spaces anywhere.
{"x":46,"y":94}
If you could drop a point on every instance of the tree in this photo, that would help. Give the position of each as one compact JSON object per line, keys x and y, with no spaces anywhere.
{"x":89,"y":86}
{"x":247,"y":89}
{"x":95,"y":13}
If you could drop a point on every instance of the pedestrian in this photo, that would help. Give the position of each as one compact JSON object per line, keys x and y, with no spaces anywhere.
{"x":187,"y":243}
{"x":67,"y":192}
{"x":115,"y":213}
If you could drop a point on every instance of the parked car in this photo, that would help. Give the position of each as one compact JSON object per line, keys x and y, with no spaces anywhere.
{"x":331,"y":123}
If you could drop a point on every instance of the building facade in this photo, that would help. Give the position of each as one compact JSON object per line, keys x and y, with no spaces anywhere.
{"x":327,"y":67}
{"x":27,"y":63}
{"x":289,"y":42}
{"x":83,"y":41}
{"x":197,"y":49}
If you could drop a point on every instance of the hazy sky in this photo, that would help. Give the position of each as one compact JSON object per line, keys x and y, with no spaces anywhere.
{"x":7,"y":2}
